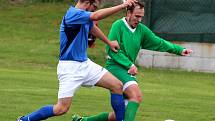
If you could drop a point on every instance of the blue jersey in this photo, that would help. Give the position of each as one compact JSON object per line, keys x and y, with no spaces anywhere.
{"x":74,"y":31}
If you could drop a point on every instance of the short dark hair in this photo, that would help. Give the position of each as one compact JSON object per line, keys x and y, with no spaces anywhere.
{"x":91,"y":1}
{"x":140,"y":4}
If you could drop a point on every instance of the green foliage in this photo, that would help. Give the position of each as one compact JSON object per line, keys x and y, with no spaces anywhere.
{"x":52,"y":0}
{"x":26,"y":2}
{"x":105,"y":5}
{"x":46,"y":1}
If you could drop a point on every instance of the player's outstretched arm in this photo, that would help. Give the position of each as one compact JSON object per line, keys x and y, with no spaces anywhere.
{"x":98,"y":33}
{"x":103,"y":13}
{"x":186,"y":52}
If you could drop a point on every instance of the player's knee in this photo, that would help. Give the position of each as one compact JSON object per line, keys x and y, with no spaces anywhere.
{"x":117,"y":87}
{"x":111,"y":117}
{"x":60,"y":110}
{"x":137,"y":98}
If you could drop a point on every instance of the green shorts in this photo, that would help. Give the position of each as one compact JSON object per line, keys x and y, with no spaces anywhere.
{"x":121,"y":73}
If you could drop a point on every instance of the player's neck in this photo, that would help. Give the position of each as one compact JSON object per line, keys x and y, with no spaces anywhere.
{"x":80,"y":6}
{"x":127,"y":20}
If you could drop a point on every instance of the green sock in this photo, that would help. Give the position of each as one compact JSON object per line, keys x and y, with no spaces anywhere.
{"x":131,"y":110}
{"x":100,"y":117}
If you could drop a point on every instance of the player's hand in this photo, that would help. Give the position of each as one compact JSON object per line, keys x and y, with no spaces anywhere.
{"x":186,"y":52}
{"x":114,"y":46}
{"x":133,"y":70}
{"x":129,"y":2}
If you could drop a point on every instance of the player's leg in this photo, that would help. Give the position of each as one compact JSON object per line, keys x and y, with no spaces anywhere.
{"x":111,"y":116}
{"x":41,"y":114}
{"x":134,"y":96}
{"x":67,"y":71}
{"x":130,"y":89}
{"x":62,"y":106}
{"x":115,"y":86}
{"x":67,"y":87}
{"x":99,"y":76}
{"x":99,"y":117}
{"x":48,"y":111}
{"x":110,"y":82}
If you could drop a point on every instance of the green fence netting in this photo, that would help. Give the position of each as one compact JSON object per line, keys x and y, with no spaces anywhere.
{"x":182,"y":20}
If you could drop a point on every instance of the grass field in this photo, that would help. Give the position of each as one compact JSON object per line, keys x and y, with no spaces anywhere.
{"x":29,"y":37}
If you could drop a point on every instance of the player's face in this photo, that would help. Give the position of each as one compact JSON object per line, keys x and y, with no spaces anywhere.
{"x":93,"y":6}
{"x":135,"y":17}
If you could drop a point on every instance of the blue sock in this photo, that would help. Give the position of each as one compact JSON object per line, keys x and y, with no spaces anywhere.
{"x":41,"y":114}
{"x":118,"y":105}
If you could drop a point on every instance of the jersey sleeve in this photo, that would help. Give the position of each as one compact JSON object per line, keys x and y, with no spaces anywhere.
{"x":119,"y":57}
{"x":155,"y":43}
{"x":77,"y":16}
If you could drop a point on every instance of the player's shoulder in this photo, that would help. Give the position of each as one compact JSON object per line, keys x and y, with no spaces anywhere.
{"x":71,"y":11}
{"x":118,"y":22}
{"x":143,"y":27}
{"x":76,"y":11}
{"x":72,"y":8}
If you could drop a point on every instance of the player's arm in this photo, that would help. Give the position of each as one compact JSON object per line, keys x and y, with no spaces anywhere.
{"x":153,"y":42}
{"x":103,"y":13}
{"x":98,"y":33}
{"x":121,"y":58}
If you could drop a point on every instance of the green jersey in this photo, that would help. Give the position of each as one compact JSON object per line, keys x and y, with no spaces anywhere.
{"x":132,"y":40}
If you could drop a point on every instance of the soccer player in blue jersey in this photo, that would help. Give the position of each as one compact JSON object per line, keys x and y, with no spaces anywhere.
{"x":75,"y":69}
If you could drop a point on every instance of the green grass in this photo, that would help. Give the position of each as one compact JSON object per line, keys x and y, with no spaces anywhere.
{"x":29,"y":37}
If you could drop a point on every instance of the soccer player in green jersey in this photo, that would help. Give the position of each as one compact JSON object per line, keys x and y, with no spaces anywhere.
{"x":132,"y":35}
